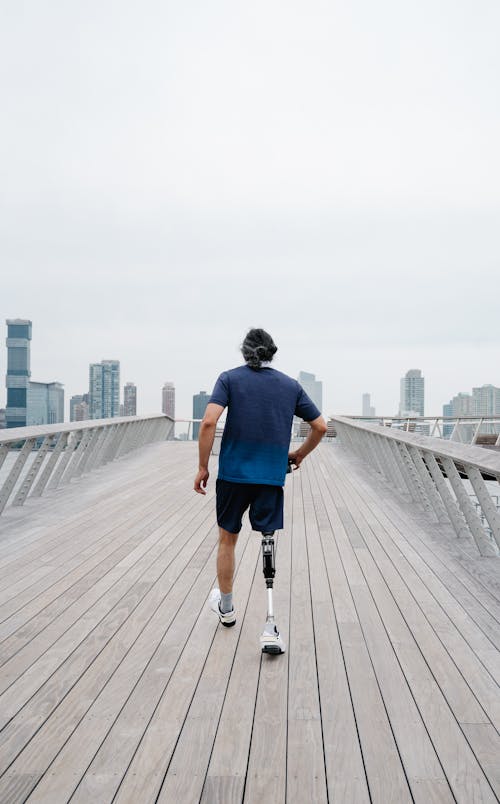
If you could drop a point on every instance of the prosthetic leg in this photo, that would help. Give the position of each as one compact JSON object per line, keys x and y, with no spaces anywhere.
{"x":270,"y":640}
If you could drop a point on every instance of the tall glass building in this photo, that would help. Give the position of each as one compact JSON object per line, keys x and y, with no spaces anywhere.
{"x":45,"y":403}
{"x":104,"y":389}
{"x":412,"y":388}
{"x":130,"y":399}
{"x":312,"y":387}
{"x":200,"y":402}
{"x":168,"y":399}
{"x":18,"y":371}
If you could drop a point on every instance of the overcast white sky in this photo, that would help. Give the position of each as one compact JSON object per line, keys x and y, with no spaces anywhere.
{"x":172,"y":173}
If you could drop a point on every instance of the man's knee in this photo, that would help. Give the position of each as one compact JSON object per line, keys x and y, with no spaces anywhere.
{"x":226,"y":538}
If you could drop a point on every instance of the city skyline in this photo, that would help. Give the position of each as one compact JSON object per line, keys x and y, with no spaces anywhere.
{"x":186,"y":394}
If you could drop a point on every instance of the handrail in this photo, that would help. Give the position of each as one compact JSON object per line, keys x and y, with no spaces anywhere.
{"x":430,"y":472}
{"x":464,"y":429}
{"x":62,"y":452}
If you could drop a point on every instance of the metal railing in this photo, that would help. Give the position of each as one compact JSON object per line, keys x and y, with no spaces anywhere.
{"x":35,"y":459}
{"x":483,"y":430}
{"x":433,"y":473}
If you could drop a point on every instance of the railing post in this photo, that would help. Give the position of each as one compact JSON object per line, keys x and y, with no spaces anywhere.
{"x":450,"y":503}
{"x":489,"y":510}
{"x":49,"y":467}
{"x":87,"y":451}
{"x":65,"y":458}
{"x":430,"y":489}
{"x":8,"y":486}
{"x":484,"y":546}
{"x":33,"y":471}
{"x":93,"y":458}
{"x":74,"y":468}
{"x":85,"y":436}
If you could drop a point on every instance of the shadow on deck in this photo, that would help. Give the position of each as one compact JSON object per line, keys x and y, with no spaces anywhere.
{"x":117,"y":684}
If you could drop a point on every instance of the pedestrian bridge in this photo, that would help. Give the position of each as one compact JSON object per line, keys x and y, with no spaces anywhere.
{"x":117,"y":683}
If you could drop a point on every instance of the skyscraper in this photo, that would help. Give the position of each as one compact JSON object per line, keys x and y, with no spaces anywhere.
{"x":312,"y":387}
{"x":18,"y":371}
{"x":168,"y":403}
{"x":200,"y":402}
{"x":104,"y":389}
{"x":412,"y":394}
{"x":28,"y":403}
{"x":366,"y":407}
{"x":168,"y":399}
{"x":129,"y":399}
{"x":486,"y":400}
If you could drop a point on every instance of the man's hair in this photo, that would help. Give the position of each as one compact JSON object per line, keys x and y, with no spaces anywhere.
{"x":258,"y":347}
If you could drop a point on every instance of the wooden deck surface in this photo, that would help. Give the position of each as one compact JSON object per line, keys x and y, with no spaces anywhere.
{"x":118,"y":684}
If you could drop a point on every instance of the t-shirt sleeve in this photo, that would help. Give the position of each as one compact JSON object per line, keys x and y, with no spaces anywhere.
{"x":220,"y":394}
{"x":305,"y":407}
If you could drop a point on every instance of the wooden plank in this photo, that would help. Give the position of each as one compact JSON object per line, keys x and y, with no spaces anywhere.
{"x":345,"y":774}
{"x":306,"y":780}
{"x":266,"y":771}
{"x":385,"y":773}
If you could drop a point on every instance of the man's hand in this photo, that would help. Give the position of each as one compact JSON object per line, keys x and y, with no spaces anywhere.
{"x":295,"y":458}
{"x":200,"y":481}
{"x":318,"y":430}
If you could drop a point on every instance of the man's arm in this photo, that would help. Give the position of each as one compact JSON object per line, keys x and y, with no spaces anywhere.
{"x":318,"y":430}
{"x":206,"y":437}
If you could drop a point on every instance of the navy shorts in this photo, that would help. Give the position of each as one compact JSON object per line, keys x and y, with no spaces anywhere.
{"x":265,"y":502}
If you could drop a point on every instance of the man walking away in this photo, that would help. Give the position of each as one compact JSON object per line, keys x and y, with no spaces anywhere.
{"x":261,"y":403}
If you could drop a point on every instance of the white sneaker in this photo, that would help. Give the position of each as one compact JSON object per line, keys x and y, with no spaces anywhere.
{"x":271,"y":641}
{"x":227,"y":619}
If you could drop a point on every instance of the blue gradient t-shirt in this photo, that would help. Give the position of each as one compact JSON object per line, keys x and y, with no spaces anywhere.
{"x":261,"y":405}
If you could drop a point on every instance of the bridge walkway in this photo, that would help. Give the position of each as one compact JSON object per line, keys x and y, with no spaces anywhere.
{"x":117,"y":684}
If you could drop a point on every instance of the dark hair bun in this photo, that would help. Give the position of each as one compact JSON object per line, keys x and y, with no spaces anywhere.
{"x":258,"y":347}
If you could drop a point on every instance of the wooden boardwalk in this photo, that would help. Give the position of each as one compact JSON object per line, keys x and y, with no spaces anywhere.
{"x":117,"y":684}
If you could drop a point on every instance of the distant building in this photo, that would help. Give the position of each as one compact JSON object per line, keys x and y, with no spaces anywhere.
{"x":45,"y":403}
{"x":447,"y":414}
{"x":486,"y":400}
{"x":312,"y":387}
{"x":28,"y":403}
{"x":412,"y":388}
{"x":104,"y":389}
{"x":129,"y":399}
{"x":79,"y":408}
{"x":200,"y":402}
{"x":462,"y":405}
{"x":2,"y":418}
{"x":168,"y":399}
{"x":18,"y":371}
{"x":366,"y":407}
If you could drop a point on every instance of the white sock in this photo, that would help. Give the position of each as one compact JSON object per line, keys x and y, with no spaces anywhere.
{"x":226,"y":602}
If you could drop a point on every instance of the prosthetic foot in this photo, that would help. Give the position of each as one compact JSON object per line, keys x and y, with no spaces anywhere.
{"x":270,"y":640}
